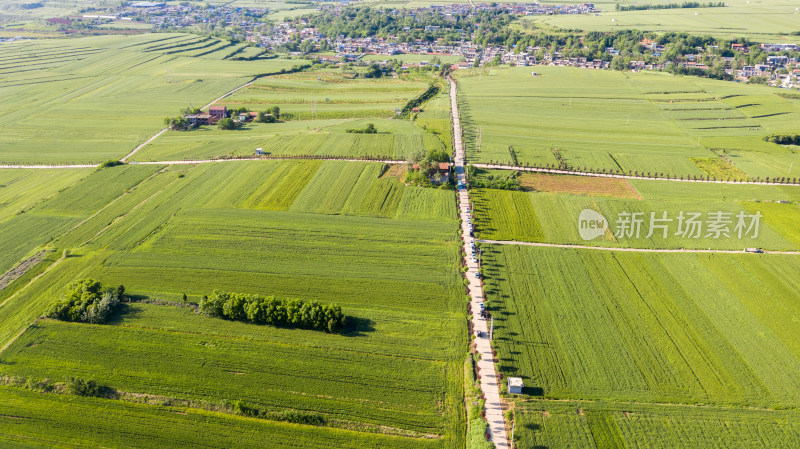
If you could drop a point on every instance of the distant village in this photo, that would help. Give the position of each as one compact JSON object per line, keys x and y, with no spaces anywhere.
{"x":780,"y":68}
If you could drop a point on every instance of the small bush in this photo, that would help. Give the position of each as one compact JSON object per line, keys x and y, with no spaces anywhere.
{"x":89,"y":388}
{"x":110,"y":163}
{"x":370,"y":129}
{"x":292,"y":416}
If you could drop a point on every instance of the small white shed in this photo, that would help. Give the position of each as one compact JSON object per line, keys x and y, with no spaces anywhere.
{"x":515,"y":385}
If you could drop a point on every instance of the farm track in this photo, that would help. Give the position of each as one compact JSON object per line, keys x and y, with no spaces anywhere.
{"x":609,"y":175}
{"x":489,"y":379}
{"x":640,"y":250}
{"x":207,"y":161}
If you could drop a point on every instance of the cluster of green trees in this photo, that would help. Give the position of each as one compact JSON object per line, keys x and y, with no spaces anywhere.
{"x":179,"y":122}
{"x":228,"y":123}
{"x":427,"y":162}
{"x":785,"y":139}
{"x":407,"y":25}
{"x":87,"y":301}
{"x":370,"y":129}
{"x":270,"y":115}
{"x":645,"y":6}
{"x":431,"y":92}
{"x":274,"y":311}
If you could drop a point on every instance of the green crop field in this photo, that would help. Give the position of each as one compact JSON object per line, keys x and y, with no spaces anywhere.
{"x":22,"y":190}
{"x":334,"y":232}
{"x":80,"y":100}
{"x":334,"y":93}
{"x":606,"y":424}
{"x":338,"y":102}
{"x":696,"y":329}
{"x":396,"y":139}
{"x":549,"y":217}
{"x":650,"y":122}
{"x":770,"y":20}
{"x":36,"y":420}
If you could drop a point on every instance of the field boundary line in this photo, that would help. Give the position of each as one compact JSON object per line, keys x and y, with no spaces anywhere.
{"x":287,"y":158}
{"x":7,"y":167}
{"x":660,"y":404}
{"x":15,"y":337}
{"x":610,"y":175}
{"x":207,"y":161}
{"x":640,"y":250}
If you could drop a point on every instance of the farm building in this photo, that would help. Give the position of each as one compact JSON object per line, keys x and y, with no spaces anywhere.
{"x":515,"y":385}
{"x":201,"y":119}
{"x":218,"y":111}
{"x":442,"y":168}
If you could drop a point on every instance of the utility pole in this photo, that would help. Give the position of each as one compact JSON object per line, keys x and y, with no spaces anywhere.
{"x":478,"y":135}
{"x":491,"y":329}
{"x":513,"y":426}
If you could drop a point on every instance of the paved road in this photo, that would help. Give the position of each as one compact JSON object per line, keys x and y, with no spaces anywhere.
{"x":640,"y":250}
{"x":489,"y":381}
{"x":609,"y":175}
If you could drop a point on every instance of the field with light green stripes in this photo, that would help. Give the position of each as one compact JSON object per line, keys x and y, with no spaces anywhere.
{"x":551,"y":217}
{"x":762,"y":21}
{"x":334,"y":232}
{"x":317,"y":108}
{"x":93,"y":99}
{"x":642,"y":122}
{"x":610,"y":343}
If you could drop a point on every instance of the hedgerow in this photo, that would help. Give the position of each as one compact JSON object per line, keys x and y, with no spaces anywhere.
{"x":274,"y":311}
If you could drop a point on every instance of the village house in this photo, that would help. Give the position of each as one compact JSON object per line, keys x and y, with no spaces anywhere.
{"x":218,"y":112}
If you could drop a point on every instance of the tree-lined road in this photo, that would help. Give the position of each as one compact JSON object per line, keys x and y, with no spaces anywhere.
{"x":490,"y":383}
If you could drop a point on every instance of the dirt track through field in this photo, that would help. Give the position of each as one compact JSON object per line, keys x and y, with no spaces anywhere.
{"x":609,"y":175}
{"x":640,"y":250}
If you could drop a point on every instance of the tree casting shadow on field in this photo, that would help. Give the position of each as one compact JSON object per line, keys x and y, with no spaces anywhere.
{"x":125,"y":311}
{"x":357,"y":327}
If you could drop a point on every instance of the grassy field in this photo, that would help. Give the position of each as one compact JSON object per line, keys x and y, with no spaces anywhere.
{"x":606,"y":424}
{"x":328,"y":231}
{"x":84,"y":97}
{"x":335,"y":93}
{"x":396,"y":139}
{"x":550,"y":213}
{"x":762,"y":20}
{"x":40,"y":420}
{"x":341,"y":103}
{"x":22,"y":190}
{"x":651,"y":122}
{"x":695,"y":329}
